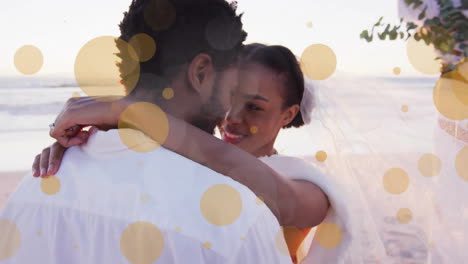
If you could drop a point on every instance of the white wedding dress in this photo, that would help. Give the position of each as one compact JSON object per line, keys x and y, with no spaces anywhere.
{"x":359,"y":239}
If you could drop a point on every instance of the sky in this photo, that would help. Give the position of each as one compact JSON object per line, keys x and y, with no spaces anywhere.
{"x":60,"y":28}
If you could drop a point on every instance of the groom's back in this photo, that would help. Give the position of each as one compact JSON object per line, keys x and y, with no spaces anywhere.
{"x":109,"y":204}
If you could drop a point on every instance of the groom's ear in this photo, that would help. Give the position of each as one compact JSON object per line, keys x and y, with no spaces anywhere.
{"x":201,"y":75}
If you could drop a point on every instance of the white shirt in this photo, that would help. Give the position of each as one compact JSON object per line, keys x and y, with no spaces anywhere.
{"x":107,"y":189}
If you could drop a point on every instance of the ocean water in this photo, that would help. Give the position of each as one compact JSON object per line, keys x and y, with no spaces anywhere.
{"x":354,"y":114}
{"x":355,"y":105}
{"x":27,"y":106}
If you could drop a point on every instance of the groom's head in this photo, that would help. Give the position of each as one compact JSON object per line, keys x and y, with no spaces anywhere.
{"x":197,"y":45}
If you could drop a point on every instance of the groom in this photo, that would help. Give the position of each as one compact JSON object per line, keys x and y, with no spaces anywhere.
{"x":111,"y":204}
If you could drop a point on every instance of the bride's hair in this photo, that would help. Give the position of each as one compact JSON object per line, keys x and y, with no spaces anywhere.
{"x":282,"y":61}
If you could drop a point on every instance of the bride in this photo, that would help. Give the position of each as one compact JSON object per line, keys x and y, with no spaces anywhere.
{"x":271,"y":96}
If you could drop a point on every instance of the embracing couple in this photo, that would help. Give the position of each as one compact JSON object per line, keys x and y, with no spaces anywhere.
{"x":149,"y":183}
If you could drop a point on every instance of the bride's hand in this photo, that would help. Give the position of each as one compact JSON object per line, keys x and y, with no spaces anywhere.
{"x":48,"y":162}
{"x":82,"y":112}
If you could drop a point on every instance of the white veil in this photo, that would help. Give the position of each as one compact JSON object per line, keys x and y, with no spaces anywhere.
{"x":348,"y":122}
{"x":405,"y":173}
{"x":401,"y":145}
{"x":327,"y":116}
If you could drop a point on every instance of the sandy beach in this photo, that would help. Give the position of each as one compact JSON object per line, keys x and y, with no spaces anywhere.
{"x":10,"y":181}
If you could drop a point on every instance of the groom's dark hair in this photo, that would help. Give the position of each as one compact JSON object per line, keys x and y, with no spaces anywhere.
{"x":181,"y":30}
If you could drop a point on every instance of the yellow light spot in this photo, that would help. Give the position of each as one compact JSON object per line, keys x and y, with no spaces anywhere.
{"x":321,"y":156}
{"x":422,"y":57}
{"x":253,"y":130}
{"x":396,"y":70}
{"x":463,"y":68}
{"x":242,"y":238}
{"x":159,"y":14}
{"x":50,"y":185}
{"x":309,"y":24}
{"x":429,"y":165}
{"x":461,"y":163}
{"x":76,"y":95}
{"x":140,"y":163}
{"x":207,"y":245}
{"x":396,"y":181}
{"x":144,"y":47}
{"x":97,"y":72}
{"x":259,"y":200}
{"x":28,"y":59}
{"x":329,"y":235}
{"x":39,"y":233}
{"x":137,"y":140}
{"x":446,"y":100}
{"x":404,"y":108}
{"x":460,"y":89}
{"x":221,"y":204}
{"x":142,"y":243}
{"x":75,"y":246}
{"x":318,"y":62}
{"x":168,"y":93}
{"x":149,"y":127}
{"x":281,"y":243}
{"x":177,"y":229}
{"x":404,"y":215}
{"x":432,"y":245}
{"x":10,"y":240}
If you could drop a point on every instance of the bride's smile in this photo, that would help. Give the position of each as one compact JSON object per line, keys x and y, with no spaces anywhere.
{"x":259,"y":108}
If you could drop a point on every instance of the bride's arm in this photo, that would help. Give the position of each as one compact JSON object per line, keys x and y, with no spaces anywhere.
{"x":295,"y":203}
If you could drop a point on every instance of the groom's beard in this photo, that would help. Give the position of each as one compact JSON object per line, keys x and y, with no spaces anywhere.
{"x":212,"y":112}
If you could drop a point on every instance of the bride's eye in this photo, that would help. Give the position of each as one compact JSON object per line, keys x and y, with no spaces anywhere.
{"x":253,"y":107}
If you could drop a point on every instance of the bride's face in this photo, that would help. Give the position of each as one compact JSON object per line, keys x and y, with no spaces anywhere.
{"x":257,"y":113}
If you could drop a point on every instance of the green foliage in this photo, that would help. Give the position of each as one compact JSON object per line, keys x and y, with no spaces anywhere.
{"x":445,"y":32}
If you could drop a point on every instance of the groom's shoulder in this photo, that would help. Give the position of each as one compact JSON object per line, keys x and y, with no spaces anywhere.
{"x":160,"y":186}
